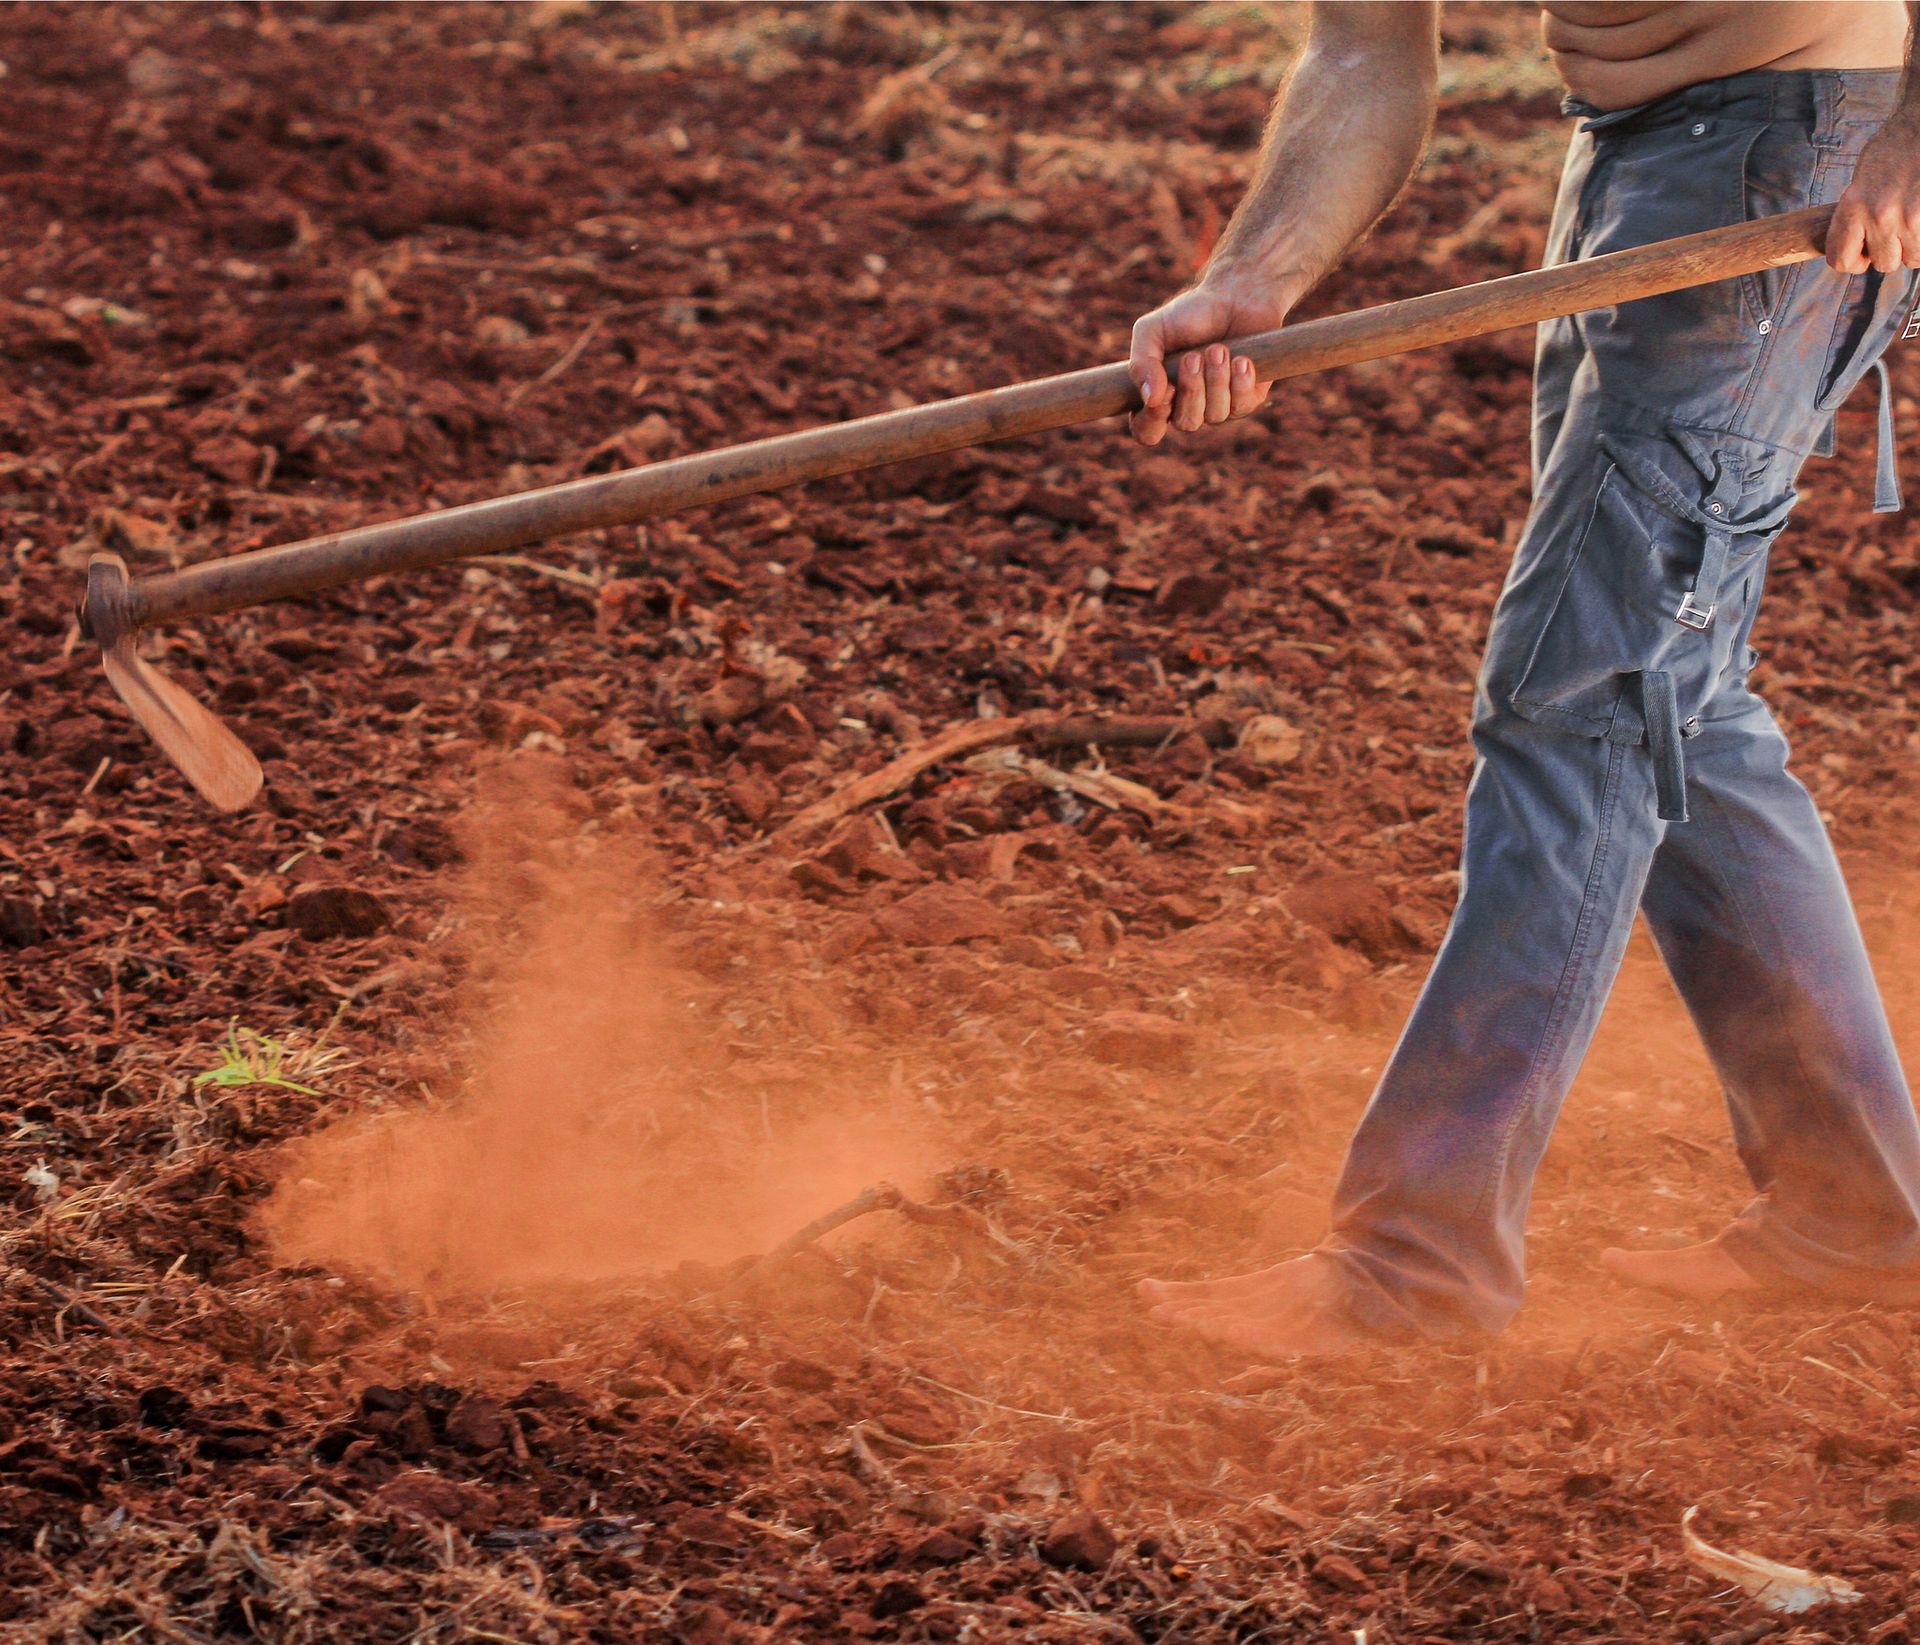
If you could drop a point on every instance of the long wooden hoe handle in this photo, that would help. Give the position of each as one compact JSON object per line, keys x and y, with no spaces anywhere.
{"x":636,"y":494}
{"x":116,"y":607}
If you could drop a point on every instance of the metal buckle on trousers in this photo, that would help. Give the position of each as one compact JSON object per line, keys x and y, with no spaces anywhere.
{"x":1694,"y":615}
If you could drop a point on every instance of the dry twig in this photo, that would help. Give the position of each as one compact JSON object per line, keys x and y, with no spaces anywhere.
{"x":560,"y":365}
{"x":967,"y":738}
{"x":559,"y":573}
{"x":882,"y":1196}
{"x":71,"y":1304}
{"x":978,"y":736}
{"x":1103,"y":788}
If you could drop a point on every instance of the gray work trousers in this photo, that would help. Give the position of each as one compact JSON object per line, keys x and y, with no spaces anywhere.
{"x":1623,"y":763}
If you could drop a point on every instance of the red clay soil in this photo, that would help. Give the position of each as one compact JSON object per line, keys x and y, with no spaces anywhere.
{"x":441,"y":1313}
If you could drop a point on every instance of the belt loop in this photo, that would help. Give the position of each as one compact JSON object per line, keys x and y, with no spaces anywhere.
{"x":1886,"y":462}
{"x":1661,"y":707}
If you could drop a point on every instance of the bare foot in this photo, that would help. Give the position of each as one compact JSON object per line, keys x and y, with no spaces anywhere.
{"x":1293,"y":1310}
{"x":1699,"y":1273}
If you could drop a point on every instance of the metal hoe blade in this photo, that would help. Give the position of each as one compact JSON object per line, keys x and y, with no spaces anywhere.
{"x":210,"y":756}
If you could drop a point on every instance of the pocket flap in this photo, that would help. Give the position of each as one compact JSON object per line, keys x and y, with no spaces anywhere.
{"x":1687,"y":471}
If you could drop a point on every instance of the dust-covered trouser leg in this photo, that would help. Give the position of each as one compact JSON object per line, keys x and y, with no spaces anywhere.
{"x":1622,"y":758}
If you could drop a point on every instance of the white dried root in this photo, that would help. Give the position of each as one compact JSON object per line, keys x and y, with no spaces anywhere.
{"x":1777,"y":1587}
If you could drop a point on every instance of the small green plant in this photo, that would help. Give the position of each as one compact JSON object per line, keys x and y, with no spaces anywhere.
{"x":248,"y":1057}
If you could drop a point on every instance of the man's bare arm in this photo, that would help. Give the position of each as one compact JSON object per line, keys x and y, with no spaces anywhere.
{"x":1344,"y":137}
{"x":1877,"y":222}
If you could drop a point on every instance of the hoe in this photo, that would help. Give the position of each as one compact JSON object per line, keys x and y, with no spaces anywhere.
{"x":117,"y":608}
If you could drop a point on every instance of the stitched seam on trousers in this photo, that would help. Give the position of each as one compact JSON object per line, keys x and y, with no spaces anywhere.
{"x":1747,"y":287}
{"x":1563,"y":719}
{"x":1550,"y":1036}
{"x":1532,"y":664}
{"x":1730,"y":889}
{"x":1758,"y":374}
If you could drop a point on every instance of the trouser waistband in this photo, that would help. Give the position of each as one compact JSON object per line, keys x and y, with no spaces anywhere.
{"x":1816,"y":97}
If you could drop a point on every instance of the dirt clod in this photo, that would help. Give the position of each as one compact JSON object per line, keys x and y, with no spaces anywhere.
{"x":1078,"y":1541}
{"x":429,"y":1496}
{"x":941,"y":1547}
{"x":1194,"y":593}
{"x":20,"y":925}
{"x":477,"y":1424}
{"x":937,"y":916}
{"x":731,"y":699}
{"x":318,"y":912}
{"x":1140,"y":1039}
{"x":1350,"y":908}
{"x":1340,"y":1572}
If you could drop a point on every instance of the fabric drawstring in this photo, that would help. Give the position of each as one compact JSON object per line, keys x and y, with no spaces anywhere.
{"x":1660,"y":704}
{"x":1886,"y":460}
{"x":1886,"y":464}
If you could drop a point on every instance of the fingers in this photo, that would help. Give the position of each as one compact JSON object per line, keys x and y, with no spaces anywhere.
{"x":1149,"y":424}
{"x":1884,"y":240}
{"x":1247,"y":395}
{"x":1147,"y":366}
{"x":1847,"y":238}
{"x":1874,"y":228}
{"x":1212,"y":387}
{"x":1190,"y":393}
{"x":1201,"y":386}
{"x":1219,"y":398}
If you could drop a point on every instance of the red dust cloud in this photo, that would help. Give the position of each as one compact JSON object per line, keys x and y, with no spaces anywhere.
{"x":617,"y":1113}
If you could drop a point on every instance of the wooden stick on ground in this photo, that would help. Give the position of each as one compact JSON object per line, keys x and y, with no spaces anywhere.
{"x":882,"y":1196}
{"x":560,"y":365}
{"x":1103,"y":788}
{"x":1129,"y":731}
{"x":559,"y":573}
{"x":975,"y":736}
{"x":967,"y":738}
{"x":71,"y":1304}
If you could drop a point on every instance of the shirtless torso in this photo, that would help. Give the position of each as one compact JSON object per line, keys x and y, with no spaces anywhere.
{"x":1614,"y":53}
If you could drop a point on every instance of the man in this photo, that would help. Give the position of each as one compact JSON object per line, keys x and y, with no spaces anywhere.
{"x":1622,"y":762}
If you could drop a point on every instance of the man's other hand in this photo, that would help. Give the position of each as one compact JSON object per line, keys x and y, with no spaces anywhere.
{"x":1205,"y":385}
{"x":1877,"y":222}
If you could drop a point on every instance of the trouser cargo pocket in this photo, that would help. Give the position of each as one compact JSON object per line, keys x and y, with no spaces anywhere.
{"x":1633,"y":597}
